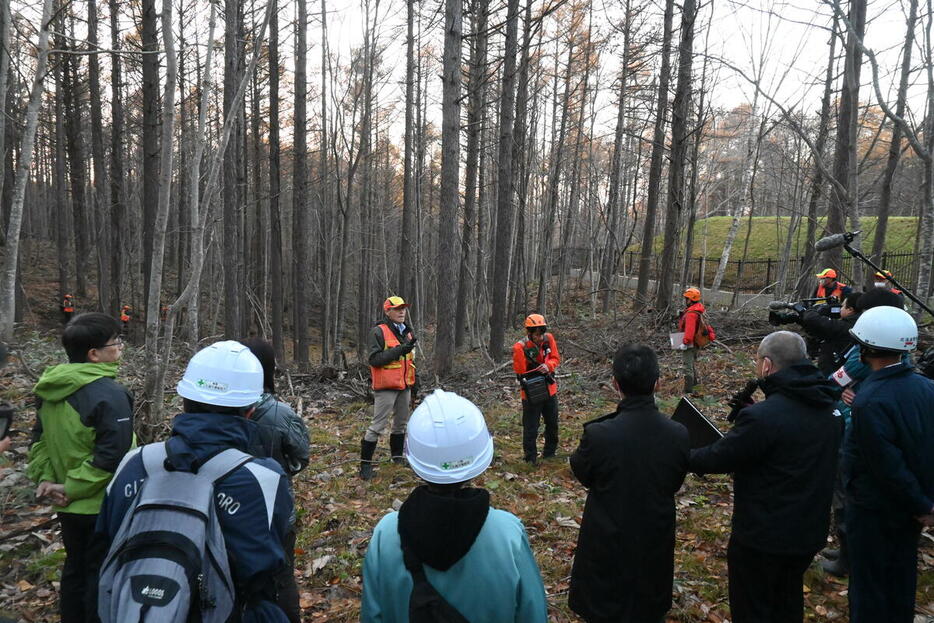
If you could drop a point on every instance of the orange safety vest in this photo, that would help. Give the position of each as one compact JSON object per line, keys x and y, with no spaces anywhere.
{"x":398,"y":374}
{"x":837,"y":292}
{"x":67,"y":306}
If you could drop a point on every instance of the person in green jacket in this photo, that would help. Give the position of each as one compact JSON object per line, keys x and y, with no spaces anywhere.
{"x":83,"y":429}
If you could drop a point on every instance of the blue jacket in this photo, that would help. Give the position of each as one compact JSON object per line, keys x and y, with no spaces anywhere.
{"x":253,"y":504}
{"x":497,"y":580}
{"x":888,"y":455}
{"x":854,"y":372}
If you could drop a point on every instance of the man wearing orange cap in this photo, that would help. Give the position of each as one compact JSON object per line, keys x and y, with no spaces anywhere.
{"x":535,"y":359}
{"x":828,"y":286}
{"x":393,"y":376}
{"x":697,"y":334}
{"x":883,"y":279}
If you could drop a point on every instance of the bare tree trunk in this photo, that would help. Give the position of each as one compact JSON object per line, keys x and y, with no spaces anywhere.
{"x":679,"y":145}
{"x":11,"y":256}
{"x":231,"y":191}
{"x":63,"y":217}
{"x":885,"y":195}
{"x":300,"y":242}
{"x":504,"y":211}
{"x":150,"y":168}
{"x":117,"y":210}
{"x":5,"y":19}
{"x":406,"y":281}
{"x":477,"y":67}
{"x":845,"y":163}
{"x":97,"y":153}
{"x":76,"y":169}
{"x":608,"y":263}
{"x":326,"y":207}
{"x":450,"y":167}
{"x":655,"y":168}
{"x":276,"y":295}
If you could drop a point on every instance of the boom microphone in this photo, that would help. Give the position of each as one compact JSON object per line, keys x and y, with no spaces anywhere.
{"x":836,"y":240}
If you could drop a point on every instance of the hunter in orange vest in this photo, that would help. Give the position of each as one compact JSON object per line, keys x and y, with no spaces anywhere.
{"x":68,"y":308}
{"x":392,"y":371}
{"x":828,"y":286}
{"x":125,"y":315}
{"x":535,"y":359}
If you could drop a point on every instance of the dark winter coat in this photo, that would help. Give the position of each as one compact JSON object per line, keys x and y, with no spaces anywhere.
{"x":889,"y":450}
{"x":378,"y":356}
{"x":834,"y":336}
{"x":782,"y":453}
{"x":633,"y":462}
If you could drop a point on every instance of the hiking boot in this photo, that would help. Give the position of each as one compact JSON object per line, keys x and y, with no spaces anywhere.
{"x":396,"y":445}
{"x":367,"y":449}
{"x":837,"y":568}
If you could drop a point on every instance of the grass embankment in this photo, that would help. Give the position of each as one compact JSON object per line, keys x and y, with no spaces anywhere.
{"x":767,"y":238}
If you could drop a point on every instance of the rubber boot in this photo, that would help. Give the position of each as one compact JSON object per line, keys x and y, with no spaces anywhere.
{"x":396,"y":445}
{"x":688,"y":385}
{"x":367,"y":449}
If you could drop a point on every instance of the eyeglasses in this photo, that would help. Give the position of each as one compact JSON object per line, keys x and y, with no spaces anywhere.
{"x":118,"y":343}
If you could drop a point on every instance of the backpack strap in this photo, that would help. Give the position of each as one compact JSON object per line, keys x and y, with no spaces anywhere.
{"x":187,"y":489}
{"x":425,"y":602}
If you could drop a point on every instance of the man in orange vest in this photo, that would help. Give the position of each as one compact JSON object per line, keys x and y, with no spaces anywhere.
{"x":393,"y":377}
{"x":828,"y":286}
{"x":125,"y":316}
{"x":692,"y":320}
{"x":883,"y":279}
{"x":68,"y":308}
{"x":535,"y":359}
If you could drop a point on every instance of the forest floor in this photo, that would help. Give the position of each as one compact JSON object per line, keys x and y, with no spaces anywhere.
{"x":337,"y":511}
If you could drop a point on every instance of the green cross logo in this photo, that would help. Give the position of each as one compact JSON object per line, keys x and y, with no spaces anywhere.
{"x":200,"y":383}
{"x":445,"y":465}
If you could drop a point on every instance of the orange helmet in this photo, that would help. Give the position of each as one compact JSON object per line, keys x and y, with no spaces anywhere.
{"x":68,"y":296}
{"x":827,"y":272}
{"x":692,"y":294}
{"x":883,"y":275}
{"x":533,"y":321}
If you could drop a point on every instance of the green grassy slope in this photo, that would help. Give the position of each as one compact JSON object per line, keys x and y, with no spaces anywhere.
{"x":769,"y":232}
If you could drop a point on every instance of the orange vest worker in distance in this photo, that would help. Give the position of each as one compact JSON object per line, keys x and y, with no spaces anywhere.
{"x":125,"y":314}
{"x":392,"y":373}
{"x":535,"y":359}
{"x":829,"y":286}
{"x":67,"y":307}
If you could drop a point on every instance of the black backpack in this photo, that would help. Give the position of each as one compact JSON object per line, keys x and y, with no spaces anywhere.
{"x":426,"y":605}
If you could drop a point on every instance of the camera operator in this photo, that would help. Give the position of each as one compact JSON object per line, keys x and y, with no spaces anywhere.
{"x":832,"y":334}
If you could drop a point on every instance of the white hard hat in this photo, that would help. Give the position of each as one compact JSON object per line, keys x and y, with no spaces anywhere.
{"x":886,"y":328}
{"x":225,"y":374}
{"x":447,"y":440}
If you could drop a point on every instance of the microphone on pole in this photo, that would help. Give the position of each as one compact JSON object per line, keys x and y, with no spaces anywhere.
{"x":836,"y":240}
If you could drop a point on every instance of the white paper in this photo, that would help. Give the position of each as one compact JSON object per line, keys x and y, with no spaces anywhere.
{"x":676,"y":339}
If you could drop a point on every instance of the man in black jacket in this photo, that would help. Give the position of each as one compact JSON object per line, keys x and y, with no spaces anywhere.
{"x":833,"y":334}
{"x":782,"y":453}
{"x":633,"y":462}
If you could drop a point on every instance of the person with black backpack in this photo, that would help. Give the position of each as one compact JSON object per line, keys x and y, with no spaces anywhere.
{"x":195,"y":526}
{"x":535,"y":360}
{"x":446,"y":555}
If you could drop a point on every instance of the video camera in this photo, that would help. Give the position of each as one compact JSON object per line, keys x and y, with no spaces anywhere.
{"x":781,"y":312}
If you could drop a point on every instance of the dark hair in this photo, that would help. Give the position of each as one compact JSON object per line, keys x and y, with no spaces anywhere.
{"x":635,"y":368}
{"x":852,"y":299}
{"x":193,"y":406}
{"x":87,"y":331}
{"x":879,"y":297}
{"x":267,"y":358}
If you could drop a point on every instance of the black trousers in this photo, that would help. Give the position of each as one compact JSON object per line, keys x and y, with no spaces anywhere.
{"x":766,"y":588}
{"x":285,"y":581}
{"x":883,"y":565}
{"x":531,"y":416}
{"x":77,"y":533}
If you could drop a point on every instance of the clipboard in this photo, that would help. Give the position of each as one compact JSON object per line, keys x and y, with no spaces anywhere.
{"x":676,"y":339}
{"x":701,"y":431}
